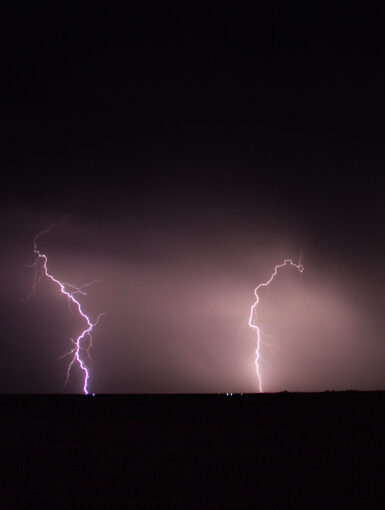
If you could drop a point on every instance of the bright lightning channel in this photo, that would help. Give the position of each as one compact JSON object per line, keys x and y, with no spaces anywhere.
{"x":68,"y":290}
{"x":252,"y":317}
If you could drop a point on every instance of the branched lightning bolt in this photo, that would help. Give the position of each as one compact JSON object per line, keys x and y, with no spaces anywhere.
{"x":252,"y":316}
{"x":68,"y":290}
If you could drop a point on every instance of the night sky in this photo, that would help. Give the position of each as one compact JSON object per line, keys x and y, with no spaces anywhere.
{"x":188,"y":153}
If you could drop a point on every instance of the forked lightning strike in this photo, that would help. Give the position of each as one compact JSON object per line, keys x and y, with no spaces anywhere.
{"x":252,"y":316}
{"x":68,"y":290}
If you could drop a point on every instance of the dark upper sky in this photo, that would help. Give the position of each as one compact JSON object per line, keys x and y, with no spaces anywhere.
{"x":189,"y":152}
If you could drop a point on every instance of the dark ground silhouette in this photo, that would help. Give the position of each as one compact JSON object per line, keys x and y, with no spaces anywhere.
{"x":322,"y":450}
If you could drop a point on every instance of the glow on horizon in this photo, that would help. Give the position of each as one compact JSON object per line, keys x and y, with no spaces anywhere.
{"x":252,"y":316}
